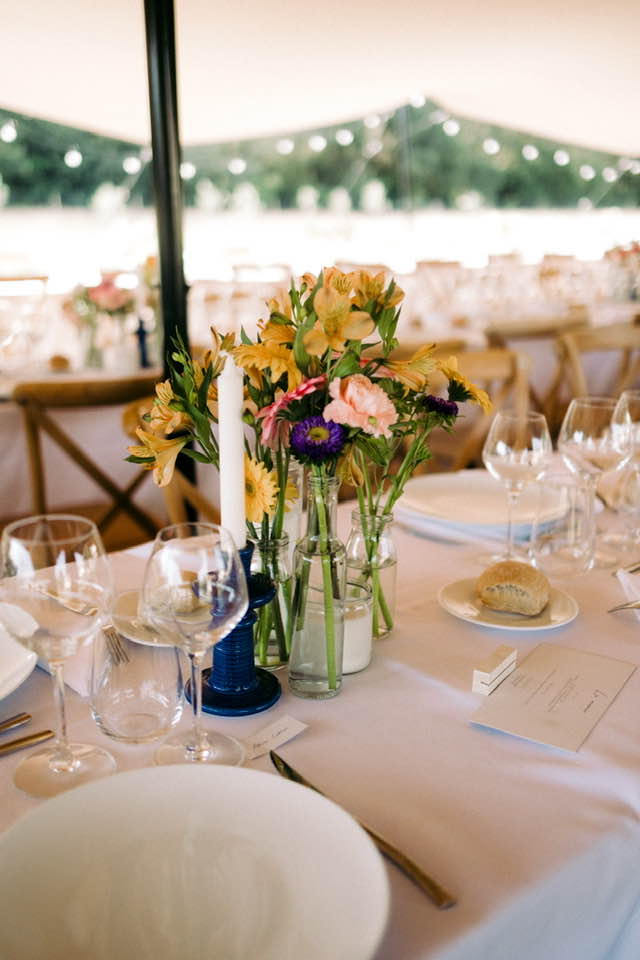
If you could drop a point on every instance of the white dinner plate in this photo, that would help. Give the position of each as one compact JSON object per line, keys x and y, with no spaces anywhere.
{"x":16,"y":663}
{"x":474,"y":498}
{"x":461,"y":600}
{"x":179,"y":862}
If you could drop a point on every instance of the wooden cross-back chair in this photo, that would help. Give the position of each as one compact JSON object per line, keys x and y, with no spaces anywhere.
{"x":180,"y":493}
{"x":620,"y":340}
{"x":37,"y":398}
{"x":504,"y":374}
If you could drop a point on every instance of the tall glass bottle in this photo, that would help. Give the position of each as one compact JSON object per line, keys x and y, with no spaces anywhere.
{"x":315,"y":663}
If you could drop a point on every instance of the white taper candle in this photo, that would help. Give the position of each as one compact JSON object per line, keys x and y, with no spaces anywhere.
{"x":231,"y":441}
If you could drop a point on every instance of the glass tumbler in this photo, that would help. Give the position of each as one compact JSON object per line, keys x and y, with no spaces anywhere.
{"x":562,"y":533}
{"x":136,"y":688}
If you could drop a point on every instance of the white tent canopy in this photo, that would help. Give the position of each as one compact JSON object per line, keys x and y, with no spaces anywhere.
{"x":567,"y":71}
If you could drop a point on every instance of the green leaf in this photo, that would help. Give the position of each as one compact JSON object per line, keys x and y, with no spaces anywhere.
{"x":133,"y":459}
{"x":375,"y":448}
{"x":245,"y":338}
{"x":346,"y":365}
{"x":299,"y":350}
{"x":196,"y":455}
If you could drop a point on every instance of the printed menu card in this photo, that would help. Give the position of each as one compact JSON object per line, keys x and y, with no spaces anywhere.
{"x":556,"y":696}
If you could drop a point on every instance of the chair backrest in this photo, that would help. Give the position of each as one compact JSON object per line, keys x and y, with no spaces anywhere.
{"x":504,"y":374}
{"x":180,"y":493}
{"x":622,"y":339}
{"x":37,"y":398}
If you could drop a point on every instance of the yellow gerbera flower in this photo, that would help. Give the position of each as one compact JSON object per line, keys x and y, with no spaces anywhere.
{"x":260,"y":490}
{"x":450,"y":369}
{"x":164,"y":452}
{"x":275,"y":357}
{"x":413,"y":373}
{"x":336,"y":323}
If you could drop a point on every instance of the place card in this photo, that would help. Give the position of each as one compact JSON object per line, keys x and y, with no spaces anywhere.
{"x":556,"y":696}
{"x":277,"y":733}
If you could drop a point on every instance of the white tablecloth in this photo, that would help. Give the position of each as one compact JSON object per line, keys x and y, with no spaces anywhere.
{"x":541,"y":846}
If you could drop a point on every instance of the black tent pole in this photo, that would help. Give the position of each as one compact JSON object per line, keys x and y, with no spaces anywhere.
{"x":165,"y":142}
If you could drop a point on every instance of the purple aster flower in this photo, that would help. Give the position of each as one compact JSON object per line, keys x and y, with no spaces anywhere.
{"x":448,"y":408}
{"x":316,"y":439}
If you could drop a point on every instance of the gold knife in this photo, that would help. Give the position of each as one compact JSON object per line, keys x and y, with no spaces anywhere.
{"x":16,"y":721}
{"x":29,"y":741}
{"x":437,"y":894}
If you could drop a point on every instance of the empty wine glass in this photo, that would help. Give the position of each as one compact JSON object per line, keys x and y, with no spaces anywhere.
{"x":590,"y":445}
{"x":517,"y":451}
{"x":56,"y":590}
{"x":626,"y":423}
{"x":194,"y":593}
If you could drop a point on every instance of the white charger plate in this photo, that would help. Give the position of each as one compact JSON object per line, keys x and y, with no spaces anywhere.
{"x":179,"y":862}
{"x":461,"y":600}
{"x":16,"y":664}
{"x":474,"y":498}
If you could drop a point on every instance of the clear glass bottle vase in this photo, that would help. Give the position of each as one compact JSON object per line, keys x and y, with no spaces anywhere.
{"x":272,"y":629}
{"x":315,"y":664}
{"x":372,"y":561}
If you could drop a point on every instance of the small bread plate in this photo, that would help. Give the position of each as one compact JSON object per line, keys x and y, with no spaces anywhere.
{"x":461,"y":600}
{"x":126,"y":620}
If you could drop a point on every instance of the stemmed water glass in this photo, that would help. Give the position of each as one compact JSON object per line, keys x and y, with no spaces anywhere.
{"x":194,"y":593}
{"x":56,"y":590}
{"x":626,"y":420}
{"x":591,"y":444}
{"x":517,"y":451}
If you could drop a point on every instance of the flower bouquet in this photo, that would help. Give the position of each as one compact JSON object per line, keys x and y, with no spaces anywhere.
{"x":321,"y":386}
{"x":87,"y":304}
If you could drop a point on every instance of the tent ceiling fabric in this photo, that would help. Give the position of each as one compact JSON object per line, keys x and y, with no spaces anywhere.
{"x":257,"y":67}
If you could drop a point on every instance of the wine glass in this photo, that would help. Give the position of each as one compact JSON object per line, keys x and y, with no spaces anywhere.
{"x":626,"y":423}
{"x":517,"y":451}
{"x":55,"y":592}
{"x":590,"y":445}
{"x":194,"y":593}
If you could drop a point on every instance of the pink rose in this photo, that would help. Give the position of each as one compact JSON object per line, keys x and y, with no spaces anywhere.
{"x":107,"y":296}
{"x":357,"y":402}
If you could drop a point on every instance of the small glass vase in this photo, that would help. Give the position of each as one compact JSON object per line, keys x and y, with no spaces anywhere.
{"x":272,"y":629}
{"x":315,"y":664}
{"x":372,"y":561}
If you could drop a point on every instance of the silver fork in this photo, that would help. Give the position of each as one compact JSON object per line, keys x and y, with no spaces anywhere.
{"x":115,"y":646}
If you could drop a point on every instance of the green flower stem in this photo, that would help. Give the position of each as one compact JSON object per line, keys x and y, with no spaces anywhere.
{"x":327,"y":584}
{"x":286,"y":589}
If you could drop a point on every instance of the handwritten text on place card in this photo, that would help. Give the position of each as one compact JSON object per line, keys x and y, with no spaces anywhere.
{"x":277,"y":733}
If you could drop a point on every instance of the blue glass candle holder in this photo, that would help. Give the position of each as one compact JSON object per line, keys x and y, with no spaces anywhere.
{"x":234,"y":686}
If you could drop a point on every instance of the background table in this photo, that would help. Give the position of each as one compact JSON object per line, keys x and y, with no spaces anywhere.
{"x":540,"y":845}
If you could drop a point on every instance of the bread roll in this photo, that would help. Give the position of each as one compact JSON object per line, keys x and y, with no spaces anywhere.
{"x":514,"y":587}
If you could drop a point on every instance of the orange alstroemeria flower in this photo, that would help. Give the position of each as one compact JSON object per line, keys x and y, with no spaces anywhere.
{"x":275,"y":357}
{"x":336,"y":322}
{"x":413,"y":373}
{"x":370,"y":287}
{"x":164,"y":452}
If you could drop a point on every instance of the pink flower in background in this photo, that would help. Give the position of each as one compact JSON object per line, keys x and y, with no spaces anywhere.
{"x":357,"y":402}
{"x":110,"y":298}
{"x":275,"y":433}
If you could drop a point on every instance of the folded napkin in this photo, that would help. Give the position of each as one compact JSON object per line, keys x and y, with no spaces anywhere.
{"x":16,"y":663}
{"x":631,"y":586}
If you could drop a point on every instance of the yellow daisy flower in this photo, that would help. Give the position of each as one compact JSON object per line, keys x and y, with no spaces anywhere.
{"x":260,"y":490}
{"x":450,"y":369}
{"x":164,"y":452}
